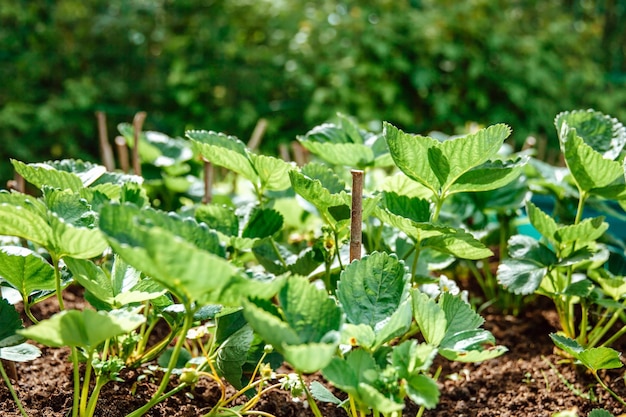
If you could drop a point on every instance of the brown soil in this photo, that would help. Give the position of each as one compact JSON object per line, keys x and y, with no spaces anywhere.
{"x":520,"y":383}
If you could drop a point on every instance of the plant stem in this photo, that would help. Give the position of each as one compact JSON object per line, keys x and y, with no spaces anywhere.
{"x":57,"y":280}
{"x":609,"y":390}
{"x":356,"y":215}
{"x":76,"y":373}
{"x":157,"y":397}
{"x":84,"y":397}
{"x":309,"y":398}
{"x":616,"y":336}
{"x":7,"y":381}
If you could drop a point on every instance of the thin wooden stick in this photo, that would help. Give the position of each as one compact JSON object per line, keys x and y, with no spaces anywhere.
{"x":106,"y":152}
{"x":138,"y":120}
{"x":257,"y":134}
{"x":208,"y":182}
{"x":122,"y":152}
{"x":283,"y":151}
{"x":356,"y":215}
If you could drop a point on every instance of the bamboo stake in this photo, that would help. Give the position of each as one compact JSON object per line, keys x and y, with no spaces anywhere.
{"x":283,"y":151}
{"x":106,"y":152}
{"x":257,"y":134}
{"x":356,"y":215}
{"x":122,"y":152}
{"x":138,"y":120}
{"x":208,"y":182}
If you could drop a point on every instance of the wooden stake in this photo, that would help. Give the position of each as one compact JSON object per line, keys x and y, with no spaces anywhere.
{"x":356,"y":215}
{"x":283,"y":151}
{"x":122,"y":153}
{"x":106,"y":152}
{"x":257,"y":134}
{"x":138,"y":120}
{"x":208,"y":182}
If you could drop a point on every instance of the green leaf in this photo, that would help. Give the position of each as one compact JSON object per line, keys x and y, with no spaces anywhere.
{"x":587,"y":230}
{"x":600,"y":413}
{"x":325,"y":175}
{"x":77,"y":242}
{"x":321,"y":393}
{"x":588,"y":167}
{"x":395,"y":326}
{"x":430,"y":317}
{"x":527,"y":249}
{"x":41,"y":174}
{"x":593,"y":358}
{"x":309,"y":357}
{"x":489,"y":176}
{"x":86,"y":329}
{"x":182,"y":266}
{"x":459,"y":243}
{"x":448,"y":160}
{"x":602,"y":133}
{"x":25,"y":270}
{"x":423,"y":391}
{"x":10,"y":322}
{"x":225,"y":151}
{"x":23,"y":352}
{"x":117,"y":291}
{"x":358,"y":335}
{"x":415,"y":209}
{"x":21,"y":221}
{"x":520,"y":276}
{"x":545,"y":224}
{"x":305,"y":330}
{"x":344,"y":154}
{"x":408,"y":153}
{"x":273,"y":172}
{"x":372,"y":288}
{"x":314,"y":191}
{"x":218,"y":217}
{"x":232,"y":355}
{"x":409,"y":358}
{"x":377,"y":400}
{"x":308,"y":310}
{"x":262,"y":223}
{"x":459,"y":315}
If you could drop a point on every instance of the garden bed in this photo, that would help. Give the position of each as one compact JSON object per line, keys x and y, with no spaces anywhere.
{"x":519,"y":383}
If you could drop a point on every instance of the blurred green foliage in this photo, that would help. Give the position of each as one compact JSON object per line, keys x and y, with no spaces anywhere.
{"x":222,"y":65}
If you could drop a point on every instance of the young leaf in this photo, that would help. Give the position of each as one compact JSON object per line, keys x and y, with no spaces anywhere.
{"x":325,"y":175}
{"x":587,"y":230}
{"x":225,"y":151}
{"x":430,"y":317}
{"x":23,"y":352}
{"x":10,"y":322}
{"x":520,"y":276}
{"x":273,"y":173}
{"x":545,"y":224}
{"x":321,"y":393}
{"x":423,"y":391}
{"x":305,"y":330}
{"x":593,"y":358}
{"x":489,"y":176}
{"x":20,"y":221}
{"x":415,"y":209}
{"x":262,"y":223}
{"x":220,"y":218}
{"x":588,"y":167}
{"x":344,"y":154}
{"x":41,"y":174}
{"x":448,"y":160}
{"x":25,"y":270}
{"x":86,"y":329}
{"x":314,"y":191}
{"x":232,"y":355}
{"x":602,"y":133}
{"x":371,"y":289}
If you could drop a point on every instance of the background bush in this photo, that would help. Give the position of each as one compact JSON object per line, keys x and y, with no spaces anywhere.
{"x":222,"y":65}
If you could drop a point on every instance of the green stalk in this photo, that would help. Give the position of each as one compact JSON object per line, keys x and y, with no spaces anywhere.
{"x":76,"y":373}
{"x":609,"y":390}
{"x":309,"y":398}
{"x":93,"y":399}
{"x":277,"y":252}
{"x":7,"y":381}
{"x":158,"y":397}
{"x":438,"y":205}
{"x":584,"y":322}
{"x":57,"y":281}
{"x":29,"y":313}
{"x":613,"y":338}
{"x":84,"y":397}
